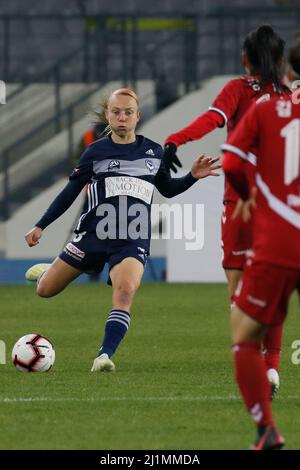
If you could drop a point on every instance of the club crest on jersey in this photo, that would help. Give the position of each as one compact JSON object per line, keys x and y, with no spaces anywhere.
{"x":254,"y":83}
{"x":149,"y":165}
{"x":113,"y":164}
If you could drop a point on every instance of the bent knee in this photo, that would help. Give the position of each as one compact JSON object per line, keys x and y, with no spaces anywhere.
{"x":126,"y":289}
{"x":44,"y":290}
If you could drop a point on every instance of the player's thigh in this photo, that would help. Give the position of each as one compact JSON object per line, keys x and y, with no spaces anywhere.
{"x":127,"y":274}
{"x":245,"y":328}
{"x":56,"y":278}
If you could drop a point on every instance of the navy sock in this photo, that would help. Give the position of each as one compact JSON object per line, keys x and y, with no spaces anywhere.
{"x":116,"y":327}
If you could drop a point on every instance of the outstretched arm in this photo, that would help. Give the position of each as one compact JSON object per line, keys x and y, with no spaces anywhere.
{"x":170,"y":187}
{"x":222,"y":109}
{"x":201,"y":126}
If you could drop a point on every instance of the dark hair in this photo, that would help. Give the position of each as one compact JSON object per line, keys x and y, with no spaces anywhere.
{"x":264,"y":49}
{"x":294,"y":58}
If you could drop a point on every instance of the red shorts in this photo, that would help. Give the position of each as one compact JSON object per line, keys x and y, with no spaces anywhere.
{"x":264,"y":291}
{"x":236,"y":238}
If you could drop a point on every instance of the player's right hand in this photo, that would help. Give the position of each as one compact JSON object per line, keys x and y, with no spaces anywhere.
{"x":249,"y":205}
{"x":33,"y":236}
{"x":245,"y":208}
{"x":170,"y":157}
{"x":238,"y":210}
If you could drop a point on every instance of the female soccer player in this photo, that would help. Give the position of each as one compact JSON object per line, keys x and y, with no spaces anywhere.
{"x":262,"y":57}
{"x":121,"y":171}
{"x":272,"y":272}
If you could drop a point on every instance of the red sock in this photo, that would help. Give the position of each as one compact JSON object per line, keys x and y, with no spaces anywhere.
{"x":252,"y":380}
{"x":272,"y":346}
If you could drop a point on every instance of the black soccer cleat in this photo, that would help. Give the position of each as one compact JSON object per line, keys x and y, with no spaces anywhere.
{"x":271,"y":439}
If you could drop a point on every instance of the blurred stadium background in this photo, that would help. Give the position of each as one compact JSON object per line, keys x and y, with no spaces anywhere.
{"x":56,"y":61}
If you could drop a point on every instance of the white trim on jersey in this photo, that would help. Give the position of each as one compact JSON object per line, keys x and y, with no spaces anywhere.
{"x":80,"y":220}
{"x":96,"y":192}
{"x":293,"y":200}
{"x":94,"y":195}
{"x":233,"y":149}
{"x":281,"y":209}
{"x":90,"y":196}
{"x":211,"y":108}
{"x":251,"y":158}
{"x":92,"y":201}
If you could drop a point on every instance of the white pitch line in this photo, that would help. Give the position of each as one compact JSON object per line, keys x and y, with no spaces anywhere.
{"x":95,"y":399}
{"x":204,"y":398}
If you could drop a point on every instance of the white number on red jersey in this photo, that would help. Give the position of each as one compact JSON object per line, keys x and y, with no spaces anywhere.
{"x":291,"y":134}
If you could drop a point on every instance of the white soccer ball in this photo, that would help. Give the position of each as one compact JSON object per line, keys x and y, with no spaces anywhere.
{"x":33,"y":353}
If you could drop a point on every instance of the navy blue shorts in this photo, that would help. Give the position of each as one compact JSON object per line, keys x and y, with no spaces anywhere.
{"x":83,"y":253}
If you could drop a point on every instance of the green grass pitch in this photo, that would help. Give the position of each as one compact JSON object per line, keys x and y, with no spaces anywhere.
{"x":174,"y":385}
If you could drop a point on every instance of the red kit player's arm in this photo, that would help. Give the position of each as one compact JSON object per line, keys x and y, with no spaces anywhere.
{"x":201,"y":126}
{"x":234,"y":171}
{"x":222,"y":109}
{"x":236,"y":149}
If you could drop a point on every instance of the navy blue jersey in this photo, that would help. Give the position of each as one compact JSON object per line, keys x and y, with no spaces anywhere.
{"x":120,"y":180}
{"x":114,"y":171}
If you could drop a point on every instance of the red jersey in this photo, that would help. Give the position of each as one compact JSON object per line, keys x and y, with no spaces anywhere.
{"x":229,"y":107}
{"x":274,"y":128}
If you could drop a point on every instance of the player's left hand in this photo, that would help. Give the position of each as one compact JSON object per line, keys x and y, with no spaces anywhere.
{"x":205,"y":166}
